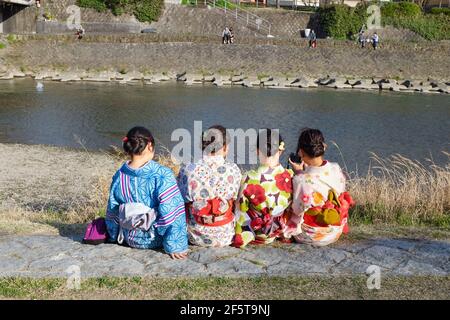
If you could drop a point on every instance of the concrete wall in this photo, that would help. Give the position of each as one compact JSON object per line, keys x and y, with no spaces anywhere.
{"x":179,"y":19}
{"x":18,"y":19}
{"x":394,"y":59}
{"x":56,"y":27}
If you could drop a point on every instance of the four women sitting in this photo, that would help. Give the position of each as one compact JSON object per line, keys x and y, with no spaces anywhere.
{"x":212,"y":205}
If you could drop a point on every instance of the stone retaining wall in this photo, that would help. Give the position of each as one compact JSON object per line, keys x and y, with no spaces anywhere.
{"x":334,"y":58}
{"x":56,"y":27}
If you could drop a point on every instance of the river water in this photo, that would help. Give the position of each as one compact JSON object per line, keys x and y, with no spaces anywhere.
{"x":98,"y":116}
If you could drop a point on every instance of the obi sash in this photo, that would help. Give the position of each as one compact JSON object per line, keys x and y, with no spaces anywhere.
{"x":210,"y":215}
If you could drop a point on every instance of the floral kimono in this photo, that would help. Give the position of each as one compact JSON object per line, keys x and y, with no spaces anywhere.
{"x":265,"y":195}
{"x":210,"y":188}
{"x":154,"y":186}
{"x":311,"y":191}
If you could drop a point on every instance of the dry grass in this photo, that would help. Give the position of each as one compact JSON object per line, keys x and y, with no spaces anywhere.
{"x":398,"y":189}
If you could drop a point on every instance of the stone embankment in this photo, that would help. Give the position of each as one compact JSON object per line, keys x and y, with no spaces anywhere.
{"x":238,"y":79}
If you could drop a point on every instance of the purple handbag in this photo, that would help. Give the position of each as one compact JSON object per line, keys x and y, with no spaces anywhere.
{"x":96,"y":232}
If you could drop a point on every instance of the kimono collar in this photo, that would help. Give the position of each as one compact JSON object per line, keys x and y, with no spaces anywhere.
{"x":265,"y":168}
{"x":320,"y":169}
{"x":209,"y":159}
{"x":145,"y":169}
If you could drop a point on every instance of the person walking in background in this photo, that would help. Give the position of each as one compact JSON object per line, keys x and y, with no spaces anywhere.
{"x":312,"y":39}
{"x":231,"y":35}
{"x":226,"y":36}
{"x":375,"y":40}
{"x":362,"y":39}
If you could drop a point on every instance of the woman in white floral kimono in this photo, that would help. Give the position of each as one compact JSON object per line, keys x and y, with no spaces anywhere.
{"x":210,"y":188}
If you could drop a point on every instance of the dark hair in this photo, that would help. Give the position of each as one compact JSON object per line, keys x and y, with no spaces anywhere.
{"x":269,"y":142}
{"x":312,"y":142}
{"x":137,"y":140}
{"x":215,"y":138}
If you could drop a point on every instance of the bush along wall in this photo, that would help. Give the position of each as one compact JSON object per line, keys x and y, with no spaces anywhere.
{"x":342,"y":22}
{"x":144,"y":10}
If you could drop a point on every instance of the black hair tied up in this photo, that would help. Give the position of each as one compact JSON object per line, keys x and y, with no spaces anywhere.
{"x":269,"y":142}
{"x":312,"y":142}
{"x":136,"y":140}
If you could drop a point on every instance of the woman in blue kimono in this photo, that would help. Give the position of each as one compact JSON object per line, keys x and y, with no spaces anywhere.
{"x":142,"y":180}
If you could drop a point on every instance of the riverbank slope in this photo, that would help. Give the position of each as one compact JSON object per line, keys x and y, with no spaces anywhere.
{"x":252,"y":56}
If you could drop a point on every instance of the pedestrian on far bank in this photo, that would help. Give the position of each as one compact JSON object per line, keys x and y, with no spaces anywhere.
{"x":375,"y":41}
{"x":226,"y":35}
{"x":231,"y":35}
{"x":312,"y":39}
{"x":80,"y":32}
{"x":362,"y":39}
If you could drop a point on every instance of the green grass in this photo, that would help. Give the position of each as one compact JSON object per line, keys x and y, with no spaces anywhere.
{"x":325,"y":287}
{"x":2,"y":45}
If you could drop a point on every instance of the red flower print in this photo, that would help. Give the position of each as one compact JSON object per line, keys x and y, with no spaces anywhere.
{"x":255,"y":193}
{"x":230,"y":179}
{"x":347,"y":197}
{"x":306,"y":198}
{"x":328,"y":205}
{"x":283,"y":181}
{"x":237,"y":241}
{"x":256,"y":224}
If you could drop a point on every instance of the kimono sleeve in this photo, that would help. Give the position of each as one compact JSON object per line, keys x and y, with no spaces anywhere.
{"x":183,"y":183}
{"x":171,"y":223}
{"x":242,"y":204}
{"x":298,"y":206}
{"x":112,"y":210}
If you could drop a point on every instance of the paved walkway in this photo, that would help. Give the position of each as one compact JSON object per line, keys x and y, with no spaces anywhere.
{"x":51,"y":256}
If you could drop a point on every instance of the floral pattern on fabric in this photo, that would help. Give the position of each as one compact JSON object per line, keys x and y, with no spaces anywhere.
{"x":311,"y":189}
{"x":265,"y":195}
{"x":211,"y":177}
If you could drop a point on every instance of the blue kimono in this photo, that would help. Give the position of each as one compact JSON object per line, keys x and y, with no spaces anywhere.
{"x":155,"y":186}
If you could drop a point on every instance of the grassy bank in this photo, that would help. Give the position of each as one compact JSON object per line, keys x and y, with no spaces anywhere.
{"x":226,"y":288}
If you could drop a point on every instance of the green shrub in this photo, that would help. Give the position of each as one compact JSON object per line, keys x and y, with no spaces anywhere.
{"x":144,"y":10}
{"x":2,"y":45}
{"x":147,"y":10}
{"x":445,"y":11}
{"x":99,"y":5}
{"x":429,"y":26}
{"x":400,"y":9}
{"x":341,"y":21}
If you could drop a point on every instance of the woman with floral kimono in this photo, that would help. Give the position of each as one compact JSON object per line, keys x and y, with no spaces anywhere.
{"x":210,"y":187}
{"x":265,"y":195}
{"x":320,"y":203}
{"x":147,"y":183}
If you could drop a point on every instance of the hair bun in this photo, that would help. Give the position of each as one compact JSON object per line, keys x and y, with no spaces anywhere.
{"x":137,"y":140}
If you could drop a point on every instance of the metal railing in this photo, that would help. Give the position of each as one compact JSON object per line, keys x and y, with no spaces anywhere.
{"x":241,"y":15}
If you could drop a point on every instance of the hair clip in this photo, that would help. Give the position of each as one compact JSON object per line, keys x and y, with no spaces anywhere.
{"x":281,"y":147}
{"x":125,"y":139}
